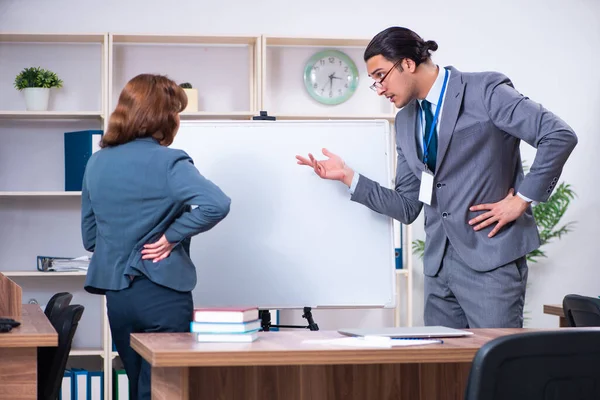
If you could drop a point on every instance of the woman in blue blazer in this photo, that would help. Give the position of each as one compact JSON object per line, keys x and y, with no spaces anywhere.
{"x":141,"y":204}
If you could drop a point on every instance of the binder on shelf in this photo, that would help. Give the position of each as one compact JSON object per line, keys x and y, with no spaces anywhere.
{"x":120,"y":385}
{"x":398,"y":252}
{"x":79,"y":147}
{"x":79,"y":390}
{"x":398,"y":255}
{"x":66,"y":386}
{"x":95,"y":388}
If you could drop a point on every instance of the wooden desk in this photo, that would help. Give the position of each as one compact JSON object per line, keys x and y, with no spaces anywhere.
{"x":556,"y":309}
{"x":280,"y":366}
{"x":18,"y":353}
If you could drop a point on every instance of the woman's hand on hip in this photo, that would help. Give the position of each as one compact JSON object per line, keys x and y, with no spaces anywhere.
{"x":158,"y":250}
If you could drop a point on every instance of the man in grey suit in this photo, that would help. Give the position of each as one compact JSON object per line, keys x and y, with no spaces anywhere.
{"x":457,"y":139}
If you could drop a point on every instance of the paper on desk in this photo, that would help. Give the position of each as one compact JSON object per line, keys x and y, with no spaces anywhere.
{"x":380,"y":342}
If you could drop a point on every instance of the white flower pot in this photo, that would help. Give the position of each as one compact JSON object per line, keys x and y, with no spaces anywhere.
{"x":192,"y":95}
{"x":36,"y":99}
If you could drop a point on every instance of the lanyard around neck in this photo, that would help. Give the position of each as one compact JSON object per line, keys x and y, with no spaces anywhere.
{"x":435,"y":118}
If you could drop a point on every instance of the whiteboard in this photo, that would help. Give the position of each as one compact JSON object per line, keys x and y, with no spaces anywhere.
{"x":291,"y":239}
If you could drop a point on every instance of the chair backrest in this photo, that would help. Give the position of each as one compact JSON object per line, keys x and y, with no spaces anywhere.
{"x":52,"y":361}
{"x":57,"y":303}
{"x":581,"y":311}
{"x":549,"y":365}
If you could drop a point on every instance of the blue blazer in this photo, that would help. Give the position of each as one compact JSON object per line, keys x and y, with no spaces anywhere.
{"x":134,"y":193}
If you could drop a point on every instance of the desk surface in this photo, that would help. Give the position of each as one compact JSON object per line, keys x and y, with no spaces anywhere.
{"x":35,"y":330}
{"x":286,"y":348}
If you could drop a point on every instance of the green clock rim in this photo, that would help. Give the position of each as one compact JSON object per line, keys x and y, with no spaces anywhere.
{"x":353,"y":83}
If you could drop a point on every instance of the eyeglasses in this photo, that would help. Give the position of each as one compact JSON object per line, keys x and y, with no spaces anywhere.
{"x":378,"y":84}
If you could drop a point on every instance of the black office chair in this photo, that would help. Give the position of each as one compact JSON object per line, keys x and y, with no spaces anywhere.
{"x":581,"y":311}
{"x":550,"y":365}
{"x":52,"y":361}
{"x":57,"y":303}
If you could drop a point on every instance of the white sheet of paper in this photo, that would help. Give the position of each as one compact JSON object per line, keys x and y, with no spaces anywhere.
{"x":382,"y":342}
{"x":426,"y":191}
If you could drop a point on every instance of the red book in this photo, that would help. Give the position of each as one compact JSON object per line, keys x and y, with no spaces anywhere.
{"x":226,"y":314}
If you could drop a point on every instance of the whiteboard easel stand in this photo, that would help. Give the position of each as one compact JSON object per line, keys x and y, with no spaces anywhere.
{"x":265,"y":321}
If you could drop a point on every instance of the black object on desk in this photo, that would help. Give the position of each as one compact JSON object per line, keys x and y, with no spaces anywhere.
{"x":6,"y":324}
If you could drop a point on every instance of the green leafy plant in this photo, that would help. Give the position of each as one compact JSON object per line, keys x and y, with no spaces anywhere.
{"x":186,"y":85}
{"x":36,"y":77}
{"x":547,"y":217}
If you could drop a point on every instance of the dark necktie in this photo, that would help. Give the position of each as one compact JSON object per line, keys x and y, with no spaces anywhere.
{"x":432,"y":147}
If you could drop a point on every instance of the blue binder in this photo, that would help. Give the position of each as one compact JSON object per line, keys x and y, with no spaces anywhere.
{"x":398,"y":252}
{"x":79,"y":384}
{"x":66,"y":387}
{"x":79,"y":147}
{"x":95,"y":388}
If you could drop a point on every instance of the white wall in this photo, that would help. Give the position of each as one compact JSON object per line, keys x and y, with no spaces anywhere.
{"x":548,"y":47}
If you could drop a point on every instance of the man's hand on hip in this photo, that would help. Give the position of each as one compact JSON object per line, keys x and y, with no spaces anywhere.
{"x":502,"y":212}
{"x":333,"y":168}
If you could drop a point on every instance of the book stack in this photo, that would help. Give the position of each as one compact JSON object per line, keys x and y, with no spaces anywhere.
{"x":225,"y":324}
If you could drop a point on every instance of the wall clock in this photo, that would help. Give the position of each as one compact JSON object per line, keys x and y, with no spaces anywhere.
{"x":330,"y":77}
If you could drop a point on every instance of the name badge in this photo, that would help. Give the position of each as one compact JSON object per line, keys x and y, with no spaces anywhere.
{"x":426,"y":191}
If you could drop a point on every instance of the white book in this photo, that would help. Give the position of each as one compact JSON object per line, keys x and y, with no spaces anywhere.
{"x":219,"y":327}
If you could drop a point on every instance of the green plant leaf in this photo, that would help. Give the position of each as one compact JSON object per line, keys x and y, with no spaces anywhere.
{"x":37,"y":77}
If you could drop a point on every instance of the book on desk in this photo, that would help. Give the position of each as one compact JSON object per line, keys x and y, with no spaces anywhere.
{"x":225,"y":324}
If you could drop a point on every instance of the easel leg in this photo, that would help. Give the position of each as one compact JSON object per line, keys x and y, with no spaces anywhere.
{"x":309,"y":318}
{"x":265,"y":321}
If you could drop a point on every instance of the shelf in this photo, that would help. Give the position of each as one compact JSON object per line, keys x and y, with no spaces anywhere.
{"x":44,"y":274}
{"x":283,"y":91}
{"x":51,"y":115}
{"x":203,"y":115}
{"x":40,"y":194}
{"x":184,"y":39}
{"x":336,"y":117}
{"x":114,"y":354}
{"x":315,"y":41}
{"x":51,"y":38}
{"x":86,"y":352}
{"x":195,"y":59}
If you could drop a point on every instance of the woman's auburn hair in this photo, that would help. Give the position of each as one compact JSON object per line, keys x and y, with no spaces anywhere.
{"x":148,"y":107}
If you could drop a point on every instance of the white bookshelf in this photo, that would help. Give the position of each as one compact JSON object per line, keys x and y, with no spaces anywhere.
{"x":224,"y":69}
{"x":86,"y":352}
{"x":33,"y":202}
{"x":236,"y":77}
{"x":57,"y":193}
{"x":200,"y":115}
{"x":51,"y":115}
{"x":283,"y":93}
{"x":41,"y":274}
{"x":284,"y":96}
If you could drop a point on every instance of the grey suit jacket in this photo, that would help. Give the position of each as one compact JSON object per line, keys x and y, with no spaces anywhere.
{"x":483,"y":121}
{"x":134,"y":193}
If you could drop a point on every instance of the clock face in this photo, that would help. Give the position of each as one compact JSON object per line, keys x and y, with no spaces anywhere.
{"x":330,"y":77}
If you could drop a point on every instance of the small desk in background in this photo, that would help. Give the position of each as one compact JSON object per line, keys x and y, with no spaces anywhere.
{"x":280,"y":366}
{"x":556,"y":309}
{"x":18,"y":353}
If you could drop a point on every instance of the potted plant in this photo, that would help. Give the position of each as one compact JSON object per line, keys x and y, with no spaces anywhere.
{"x":35,"y":83}
{"x":192,"y":95}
